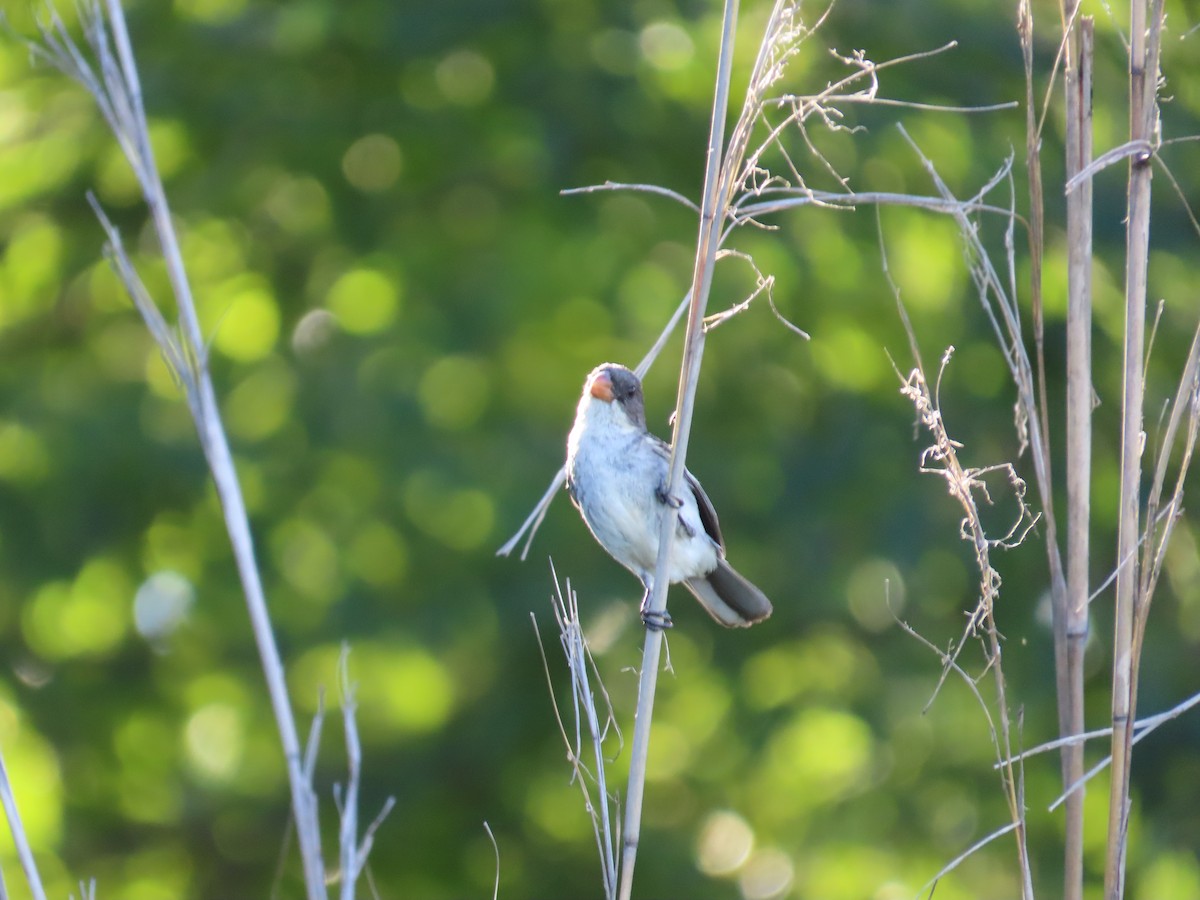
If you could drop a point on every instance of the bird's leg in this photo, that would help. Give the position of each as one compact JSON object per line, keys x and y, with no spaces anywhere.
{"x":654,"y":620}
{"x":665,"y":497}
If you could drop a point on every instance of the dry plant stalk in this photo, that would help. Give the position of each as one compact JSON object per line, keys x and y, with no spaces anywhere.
{"x":116,"y":88}
{"x":1131,"y":603}
{"x":967,"y":486}
{"x":1071,"y":634}
{"x":740,"y":189}
{"x":712,"y":214}
{"x":603,"y":809}
{"x":20,"y":839}
{"x":117,"y":92}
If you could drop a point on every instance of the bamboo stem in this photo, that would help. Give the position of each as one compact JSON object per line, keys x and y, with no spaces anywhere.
{"x":1143,"y":74}
{"x":715,"y":196}
{"x":1079,"y":426}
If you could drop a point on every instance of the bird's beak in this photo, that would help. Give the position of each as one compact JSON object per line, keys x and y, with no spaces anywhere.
{"x":602,"y":387}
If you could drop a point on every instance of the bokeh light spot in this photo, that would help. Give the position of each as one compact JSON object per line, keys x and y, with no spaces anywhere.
{"x":210,"y":12}
{"x":666,"y":46}
{"x":364,"y":300}
{"x":769,"y":873}
{"x":378,"y":555}
{"x":161,"y":604}
{"x":307,"y":557}
{"x":372,"y":163}
{"x":262,"y":402}
{"x":313,"y":332}
{"x":875,"y":594}
{"x":821,"y":755}
{"x":87,"y":617}
{"x":401,"y":690}
{"x":465,"y":77}
{"x":460,"y":518}
{"x":215,"y":739}
{"x":32,"y":266}
{"x":846,"y":356}
{"x":299,"y":205}
{"x":454,"y":392}
{"x":725,"y":843}
{"x":23,"y":456}
{"x":249,"y":327}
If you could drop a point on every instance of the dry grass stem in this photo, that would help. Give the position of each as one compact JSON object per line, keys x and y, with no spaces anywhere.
{"x":932,"y":883}
{"x":496,"y":849}
{"x":1072,"y":618}
{"x":602,"y":807}
{"x":115,"y":86}
{"x":1141,"y":728}
{"x":712,"y":212}
{"x":1145,"y":36}
{"x":20,"y":840}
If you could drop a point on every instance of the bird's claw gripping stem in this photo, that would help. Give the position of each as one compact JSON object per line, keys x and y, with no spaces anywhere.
{"x":665,"y":498}
{"x":657,"y":621}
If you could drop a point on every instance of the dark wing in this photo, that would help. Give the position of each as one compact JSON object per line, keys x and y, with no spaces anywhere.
{"x":708,"y":515}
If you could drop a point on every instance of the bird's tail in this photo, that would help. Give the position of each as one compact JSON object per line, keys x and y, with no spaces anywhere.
{"x":729,"y":598}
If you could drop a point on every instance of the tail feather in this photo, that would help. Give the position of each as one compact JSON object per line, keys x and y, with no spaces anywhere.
{"x":729,"y":598}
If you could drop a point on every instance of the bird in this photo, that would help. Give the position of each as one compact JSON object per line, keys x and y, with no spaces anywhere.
{"x":617,"y":477}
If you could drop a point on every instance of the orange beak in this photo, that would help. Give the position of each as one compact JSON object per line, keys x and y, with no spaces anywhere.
{"x":602,"y":387}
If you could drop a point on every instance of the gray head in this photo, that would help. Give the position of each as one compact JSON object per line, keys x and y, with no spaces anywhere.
{"x":613,"y":383}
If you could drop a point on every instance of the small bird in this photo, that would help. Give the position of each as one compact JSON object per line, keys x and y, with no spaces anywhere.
{"x":617,"y":475}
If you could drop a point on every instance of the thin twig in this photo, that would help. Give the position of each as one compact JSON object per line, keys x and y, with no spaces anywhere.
{"x":496,"y":849}
{"x":1140,"y":150}
{"x":931,"y":884}
{"x":20,"y":840}
{"x":348,"y":832}
{"x":621,"y":186}
{"x":603,"y":809}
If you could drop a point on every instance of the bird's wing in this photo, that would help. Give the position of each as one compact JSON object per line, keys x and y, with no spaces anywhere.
{"x":708,"y":515}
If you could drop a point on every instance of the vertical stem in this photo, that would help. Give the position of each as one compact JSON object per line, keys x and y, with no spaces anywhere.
{"x":1079,"y":426}
{"x":711,"y":215}
{"x":21,"y":842}
{"x":211,"y":431}
{"x":1143,"y":75}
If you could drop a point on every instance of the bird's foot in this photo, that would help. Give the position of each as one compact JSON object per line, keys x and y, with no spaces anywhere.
{"x":657,"y":621}
{"x":665,"y":498}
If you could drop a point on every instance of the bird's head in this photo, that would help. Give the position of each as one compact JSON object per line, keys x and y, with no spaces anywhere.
{"x":615,"y":386}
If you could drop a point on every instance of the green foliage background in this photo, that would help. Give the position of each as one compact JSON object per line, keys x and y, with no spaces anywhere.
{"x":402,"y":309}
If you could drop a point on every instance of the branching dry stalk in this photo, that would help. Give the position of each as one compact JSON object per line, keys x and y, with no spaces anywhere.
{"x":964,"y":486}
{"x":603,"y":808}
{"x":114,"y":84}
{"x":117,"y":91}
{"x":353,"y":852}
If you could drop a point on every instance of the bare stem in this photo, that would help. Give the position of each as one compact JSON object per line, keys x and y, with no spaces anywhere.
{"x":117,"y":91}
{"x":24,"y":852}
{"x":1143,"y":76}
{"x":1078,"y":85}
{"x":711,"y":216}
